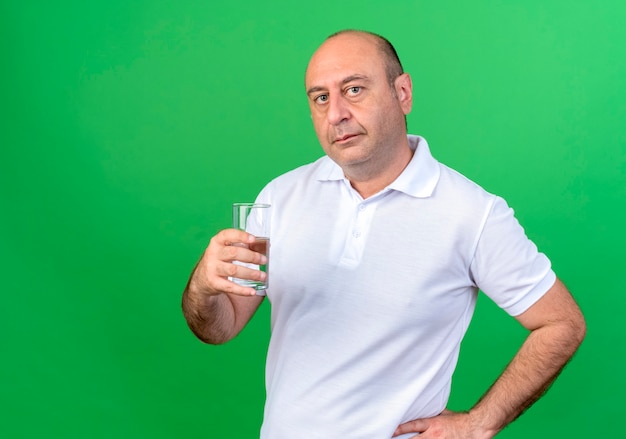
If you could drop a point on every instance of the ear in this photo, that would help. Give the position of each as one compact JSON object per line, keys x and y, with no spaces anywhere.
{"x":404,"y":92}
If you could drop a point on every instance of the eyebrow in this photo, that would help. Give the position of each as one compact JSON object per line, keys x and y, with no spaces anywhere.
{"x":344,"y":81}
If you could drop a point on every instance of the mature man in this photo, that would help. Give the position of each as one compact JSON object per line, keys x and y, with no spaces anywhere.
{"x":378,"y":252}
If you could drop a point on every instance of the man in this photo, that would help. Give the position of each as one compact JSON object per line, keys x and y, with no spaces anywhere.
{"x":378,"y":252}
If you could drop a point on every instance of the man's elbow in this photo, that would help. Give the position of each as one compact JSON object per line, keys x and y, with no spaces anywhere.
{"x":575,"y":331}
{"x":581,"y":329}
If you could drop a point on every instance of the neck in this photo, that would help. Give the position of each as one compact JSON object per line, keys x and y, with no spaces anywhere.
{"x":368,"y":182}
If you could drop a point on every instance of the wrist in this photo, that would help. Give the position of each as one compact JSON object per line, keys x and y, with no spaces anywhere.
{"x":483,"y":424}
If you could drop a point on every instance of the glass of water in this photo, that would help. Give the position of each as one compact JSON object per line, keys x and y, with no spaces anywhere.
{"x":254,"y":218}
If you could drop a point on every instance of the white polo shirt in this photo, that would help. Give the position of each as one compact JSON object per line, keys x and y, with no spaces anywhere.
{"x":371,"y":298}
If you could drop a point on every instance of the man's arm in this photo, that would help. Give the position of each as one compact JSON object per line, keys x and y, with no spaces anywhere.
{"x":215,"y":308}
{"x":557,"y":329}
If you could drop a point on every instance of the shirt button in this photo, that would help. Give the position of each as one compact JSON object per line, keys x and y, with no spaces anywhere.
{"x":356,"y":234}
{"x":361,"y":207}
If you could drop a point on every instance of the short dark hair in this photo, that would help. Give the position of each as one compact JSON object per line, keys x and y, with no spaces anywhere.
{"x":393,"y":66}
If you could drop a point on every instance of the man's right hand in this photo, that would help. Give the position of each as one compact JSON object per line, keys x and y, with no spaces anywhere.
{"x":217,"y":309}
{"x":216,"y":265}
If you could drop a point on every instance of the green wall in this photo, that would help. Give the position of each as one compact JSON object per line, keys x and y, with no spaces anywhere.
{"x":128,"y":128}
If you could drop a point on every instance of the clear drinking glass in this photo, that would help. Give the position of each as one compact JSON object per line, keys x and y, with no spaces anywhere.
{"x":254,"y":218}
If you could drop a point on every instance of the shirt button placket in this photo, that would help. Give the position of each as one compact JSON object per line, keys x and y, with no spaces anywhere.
{"x":359,"y":222}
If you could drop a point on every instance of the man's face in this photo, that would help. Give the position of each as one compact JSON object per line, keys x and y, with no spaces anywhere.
{"x":358,"y":116}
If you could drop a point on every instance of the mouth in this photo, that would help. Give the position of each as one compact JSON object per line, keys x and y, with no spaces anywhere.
{"x":345,"y":138}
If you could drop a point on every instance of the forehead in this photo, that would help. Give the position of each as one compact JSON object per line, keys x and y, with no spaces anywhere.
{"x":343,"y":56}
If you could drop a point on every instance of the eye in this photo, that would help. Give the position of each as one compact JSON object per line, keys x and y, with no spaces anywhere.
{"x":321,"y":99}
{"x":354,"y":90}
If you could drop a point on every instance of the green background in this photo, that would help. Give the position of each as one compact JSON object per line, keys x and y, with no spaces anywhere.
{"x":128,"y":128}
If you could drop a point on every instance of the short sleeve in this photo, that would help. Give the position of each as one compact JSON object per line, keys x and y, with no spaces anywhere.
{"x":507,"y":266}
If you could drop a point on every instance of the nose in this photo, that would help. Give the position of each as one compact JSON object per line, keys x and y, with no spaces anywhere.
{"x":338,"y":110}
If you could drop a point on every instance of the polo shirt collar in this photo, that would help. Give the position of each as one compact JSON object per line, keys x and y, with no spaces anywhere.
{"x":421,"y":175}
{"x":418,"y":179}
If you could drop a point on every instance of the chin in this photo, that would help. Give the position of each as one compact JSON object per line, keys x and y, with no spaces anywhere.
{"x":347,"y":162}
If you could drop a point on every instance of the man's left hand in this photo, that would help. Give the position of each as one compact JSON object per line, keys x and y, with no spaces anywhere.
{"x":447,"y":425}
